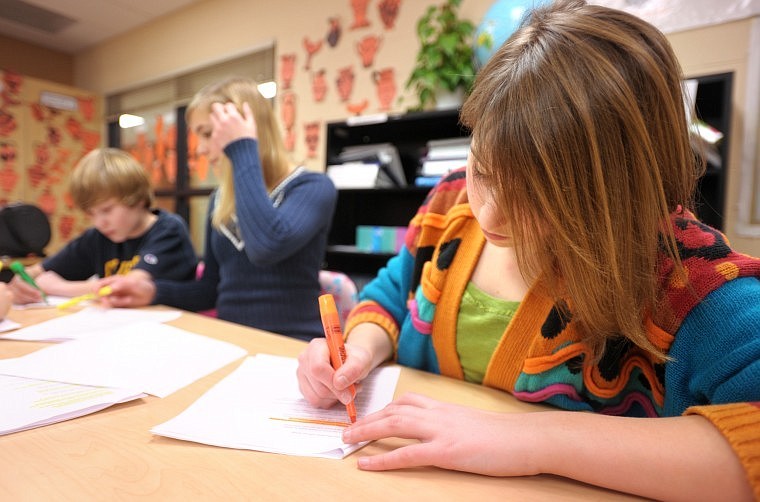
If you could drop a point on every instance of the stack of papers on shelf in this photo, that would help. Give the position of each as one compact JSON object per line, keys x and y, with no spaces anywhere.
{"x":353,"y":175}
{"x":259,"y":407}
{"x":381,"y":160}
{"x":444,"y":155}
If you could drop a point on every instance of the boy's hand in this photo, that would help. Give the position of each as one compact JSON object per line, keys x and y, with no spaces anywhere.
{"x":24,"y":293}
{"x":6,"y":299}
{"x":127,"y":290}
{"x":229,"y":125}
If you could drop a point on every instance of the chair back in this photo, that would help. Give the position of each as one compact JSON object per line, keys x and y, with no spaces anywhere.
{"x":343,"y":289}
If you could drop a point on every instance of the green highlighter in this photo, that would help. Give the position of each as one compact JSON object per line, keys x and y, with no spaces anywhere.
{"x":19,"y":270}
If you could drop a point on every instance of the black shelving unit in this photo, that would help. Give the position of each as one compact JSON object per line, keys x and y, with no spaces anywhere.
{"x":713,"y":105}
{"x":381,"y":206}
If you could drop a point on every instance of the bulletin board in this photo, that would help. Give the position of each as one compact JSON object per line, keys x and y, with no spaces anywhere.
{"x":45,"y":128}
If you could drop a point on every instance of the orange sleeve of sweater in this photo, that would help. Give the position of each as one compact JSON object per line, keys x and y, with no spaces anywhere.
{"x":740,"y":425}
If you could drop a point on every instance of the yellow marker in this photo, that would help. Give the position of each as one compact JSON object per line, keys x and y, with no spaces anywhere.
{"x":104,"y":291}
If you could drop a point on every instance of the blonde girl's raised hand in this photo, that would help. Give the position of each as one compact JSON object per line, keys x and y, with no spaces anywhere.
{"x":229,"y":125}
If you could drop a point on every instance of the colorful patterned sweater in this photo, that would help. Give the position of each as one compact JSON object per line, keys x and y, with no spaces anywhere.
{"x":710,"y":332}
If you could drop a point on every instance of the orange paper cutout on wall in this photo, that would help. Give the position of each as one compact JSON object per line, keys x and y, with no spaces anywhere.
{"x":66,"y":226}
{"x":311,"y":49}
{"x":388,"y":12}
{"x":8,"y":177}
{"x":287,"y":69}
{"x":357,"y":108}
{"x":360,"y":13}
{"x":87,"y":107}
{"x":345,"y":82}
{"x":311,"y":131}
{"x":47,"y":202}
{"x":367,"y":47}
{"x":319,"y":85}
{"x":385,"y":81}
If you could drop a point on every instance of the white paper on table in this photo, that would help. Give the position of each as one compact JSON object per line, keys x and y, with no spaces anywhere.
{"x":29,"y":403}
{"x":52,"y":302}
{"x":88,"y":322}
{"x":8,"y":325}
{"x":259,"y":407}
{"x":151,"y":357}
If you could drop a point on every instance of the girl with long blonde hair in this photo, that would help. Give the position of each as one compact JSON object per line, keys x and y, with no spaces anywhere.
{"x":267,"y":224}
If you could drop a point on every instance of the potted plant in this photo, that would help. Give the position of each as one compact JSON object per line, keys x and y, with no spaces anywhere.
{"x":445,"y":60}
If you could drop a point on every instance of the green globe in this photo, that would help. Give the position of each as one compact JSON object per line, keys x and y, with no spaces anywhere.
{"x":501,"y":20}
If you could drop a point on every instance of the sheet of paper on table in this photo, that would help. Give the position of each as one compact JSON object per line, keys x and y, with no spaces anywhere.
{"x":52,"y":302}
{"x":8,"y":325}
{"x":29,"y":403}
{"x":87,"y":322}
{"x":259,"y":407}
{"x":151,"y":357}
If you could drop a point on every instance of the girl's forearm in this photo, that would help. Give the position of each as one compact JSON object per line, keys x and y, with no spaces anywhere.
{"x":678,"y":458}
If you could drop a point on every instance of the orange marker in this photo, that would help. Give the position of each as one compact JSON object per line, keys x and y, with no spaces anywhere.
{"x":331,"y":324}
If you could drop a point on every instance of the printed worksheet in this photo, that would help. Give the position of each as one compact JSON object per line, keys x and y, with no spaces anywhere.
{"x":88,"y":322}
{"x":29,"y":403}
{"x":8,"y":325}
{"x":150,"y":357}
{"x":52,"y":302}
{"x":259,"y":407}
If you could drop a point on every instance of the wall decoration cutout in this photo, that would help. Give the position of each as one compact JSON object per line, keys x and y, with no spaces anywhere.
{"x":287,"y":70}
{"x":360,"y":14}
{"x":385,"y":82}
{"x":11,"y":88}
{"x":319,"y":85}
{"x":311,"y":137}
{"x":388,"y":12}
{"x":288,"y":117}
{"x":334,"y":31}
{"x":345,"y":82}
{"x":367,"y":47}
{"x":311,"y":49}
{"x":357,"y":108}
{"x":42,"y":143}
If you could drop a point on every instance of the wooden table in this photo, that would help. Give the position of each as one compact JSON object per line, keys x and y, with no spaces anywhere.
{"x":111,"y":455}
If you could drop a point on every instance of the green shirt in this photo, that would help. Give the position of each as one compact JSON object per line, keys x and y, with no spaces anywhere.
{"x":481,"y":323}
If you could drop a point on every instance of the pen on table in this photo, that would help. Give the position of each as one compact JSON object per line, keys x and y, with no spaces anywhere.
{"x":104,"y":291}
{"x":20,"y":271}
{"x":331,"y":324}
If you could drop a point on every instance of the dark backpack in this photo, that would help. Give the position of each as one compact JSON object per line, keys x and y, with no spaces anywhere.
{"x":24,"y":230}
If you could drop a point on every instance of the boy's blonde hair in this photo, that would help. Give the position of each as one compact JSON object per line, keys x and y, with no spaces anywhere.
{"x":107,"y":173}
{"x":578,"y":121}
{"x":275,"y":164}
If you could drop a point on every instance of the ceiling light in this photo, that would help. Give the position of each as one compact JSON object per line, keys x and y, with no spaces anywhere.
{"x":126,"y":121}
{"x":268,"y":89}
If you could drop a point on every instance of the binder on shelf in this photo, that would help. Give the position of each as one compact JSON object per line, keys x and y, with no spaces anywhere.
{"x":390,"y":172}
{"x":444,"y":155}
{"x":450,"y":148}
{"x":354,"y":175}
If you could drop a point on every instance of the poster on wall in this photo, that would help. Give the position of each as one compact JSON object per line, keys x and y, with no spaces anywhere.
{"x":45,"y":128}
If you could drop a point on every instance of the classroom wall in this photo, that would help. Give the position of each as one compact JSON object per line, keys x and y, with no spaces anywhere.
{"x":719,"y":49}
{"x":35,"y":61}
{"x":213,"y":30}
{"x":45,"y":128}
